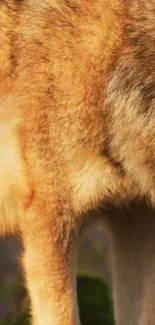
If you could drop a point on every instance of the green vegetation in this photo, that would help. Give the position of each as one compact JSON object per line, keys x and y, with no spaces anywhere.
{"x":95,"y":301}
{"x":94,"y":298}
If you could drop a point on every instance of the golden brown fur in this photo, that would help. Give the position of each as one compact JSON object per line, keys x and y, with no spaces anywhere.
{"x":77,"y":136}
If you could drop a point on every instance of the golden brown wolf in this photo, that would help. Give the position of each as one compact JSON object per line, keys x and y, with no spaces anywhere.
{"x":77,"y":141}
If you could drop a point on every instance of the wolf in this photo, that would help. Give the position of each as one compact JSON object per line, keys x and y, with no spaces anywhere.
{"x":77,"y":144}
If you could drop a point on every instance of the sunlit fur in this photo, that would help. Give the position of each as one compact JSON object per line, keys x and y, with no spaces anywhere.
{"x":77,"y":130}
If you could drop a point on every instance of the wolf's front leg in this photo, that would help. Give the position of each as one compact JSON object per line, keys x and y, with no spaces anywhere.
{"x":133,"y":248}
{"x":50,"y":268}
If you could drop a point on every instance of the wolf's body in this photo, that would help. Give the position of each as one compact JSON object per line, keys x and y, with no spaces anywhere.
{"x":77,"y":133}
